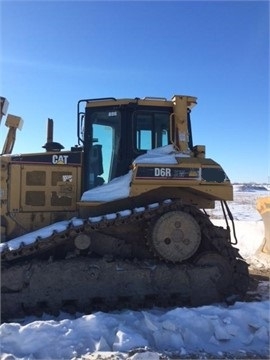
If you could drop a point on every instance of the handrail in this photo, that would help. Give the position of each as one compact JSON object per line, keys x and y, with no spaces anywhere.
{"x":101,"y":99}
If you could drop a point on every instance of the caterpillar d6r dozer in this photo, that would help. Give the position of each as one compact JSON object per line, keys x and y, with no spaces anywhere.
{"x":119,"y":220}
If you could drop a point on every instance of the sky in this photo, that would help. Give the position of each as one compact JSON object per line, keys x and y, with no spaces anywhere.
{"x":54,"y":53}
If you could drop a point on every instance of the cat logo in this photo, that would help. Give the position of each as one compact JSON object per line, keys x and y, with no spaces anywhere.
{"x":60,"y":159}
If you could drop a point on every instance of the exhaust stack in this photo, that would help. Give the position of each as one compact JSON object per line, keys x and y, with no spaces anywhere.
{"x":50,"y":144}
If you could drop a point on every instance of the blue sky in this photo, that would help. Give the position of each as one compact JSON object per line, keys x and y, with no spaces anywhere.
{"x":55,"y":53}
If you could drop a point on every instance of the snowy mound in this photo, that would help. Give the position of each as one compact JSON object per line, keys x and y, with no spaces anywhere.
{"x":250,"y":187}
{"x":116,"y":189}
{"x":162,"y":155}
{"x":216,"y":330}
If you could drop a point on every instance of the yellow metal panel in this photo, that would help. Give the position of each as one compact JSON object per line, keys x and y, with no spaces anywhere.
{"x":14,"y":190}
{"x":43,"y":188}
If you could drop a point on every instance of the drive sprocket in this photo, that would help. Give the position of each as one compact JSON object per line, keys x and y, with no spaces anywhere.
{"x":174,"y":236}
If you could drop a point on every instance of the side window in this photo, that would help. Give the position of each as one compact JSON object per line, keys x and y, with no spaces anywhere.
{"x":151,"y":129}
{"x":144,"y":130}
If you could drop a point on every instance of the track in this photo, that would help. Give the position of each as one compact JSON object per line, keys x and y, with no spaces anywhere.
{"x":119,"y":267}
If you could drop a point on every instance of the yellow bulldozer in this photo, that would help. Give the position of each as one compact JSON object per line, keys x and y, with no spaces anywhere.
{"x":75,"y":236}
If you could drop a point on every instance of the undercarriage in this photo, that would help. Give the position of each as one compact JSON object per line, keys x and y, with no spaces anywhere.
{"x":165,"y":254}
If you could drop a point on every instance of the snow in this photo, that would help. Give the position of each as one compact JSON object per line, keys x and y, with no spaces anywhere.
{"x":162,"y":155}
{"x":215,"y":329}
{"x":219,"y":331}
{"x":111,"y":191}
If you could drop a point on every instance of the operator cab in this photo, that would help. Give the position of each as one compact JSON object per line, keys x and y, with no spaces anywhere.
{"x":114,"y":132}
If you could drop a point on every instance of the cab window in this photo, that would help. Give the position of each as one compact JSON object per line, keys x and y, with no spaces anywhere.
{"x":151,"y":129}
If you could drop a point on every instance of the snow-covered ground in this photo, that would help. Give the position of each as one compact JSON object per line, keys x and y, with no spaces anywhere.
{"x":217,"y":331}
